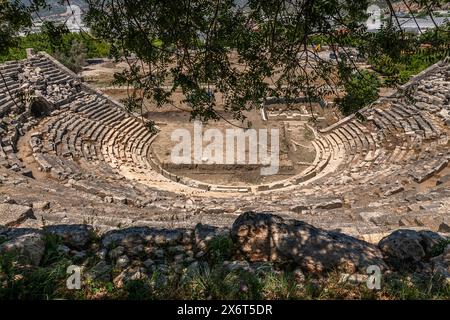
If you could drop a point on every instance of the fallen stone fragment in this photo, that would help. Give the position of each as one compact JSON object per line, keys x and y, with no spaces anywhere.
{"x":12,"y":215}
{"x":323,"y":205}
{"x":24,"y":245}
{"x":41,"y":205}
{"x":406,"y":248}
{"x":329,"y":204}
{"x":394,"y":190}
{"x":420,"y":177}
{"x":76,"y":236}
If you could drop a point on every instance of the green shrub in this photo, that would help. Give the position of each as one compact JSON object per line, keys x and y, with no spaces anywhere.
{"x":220,"y":248}
{"x":42,"y":42}
{"x":361,"y":89}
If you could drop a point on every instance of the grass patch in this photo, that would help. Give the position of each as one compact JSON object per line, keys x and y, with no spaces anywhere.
{"x":205,"y":281}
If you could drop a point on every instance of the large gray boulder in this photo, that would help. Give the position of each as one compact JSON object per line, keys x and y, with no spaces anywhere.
{"x":407,"y":248}
{"x":267,"y":237}
{"x":128,"y":237}
{"x":26,"y":246}
{"x":11,"y":215}
{"x":74,"y":236}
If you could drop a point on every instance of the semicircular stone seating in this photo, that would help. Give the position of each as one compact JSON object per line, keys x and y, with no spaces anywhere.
{"x":399,"y":132}
{"x":366,"y":165}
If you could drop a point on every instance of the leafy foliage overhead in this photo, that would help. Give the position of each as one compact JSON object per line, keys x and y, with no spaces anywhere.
{"x":241,"y":53}
{"x":238,"y":53}
{"x":14,"y":17}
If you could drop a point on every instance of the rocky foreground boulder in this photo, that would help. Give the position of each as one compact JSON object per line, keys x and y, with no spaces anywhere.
{"x":13,"y":214}
{"x":256,"y":241}
{"x":26,"y":246}
{"x":407,"y":248}
{"x":267,"y":237}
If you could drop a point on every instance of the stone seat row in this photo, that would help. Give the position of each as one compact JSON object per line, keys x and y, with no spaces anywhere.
{"x":403,"y":119}
{"x":10,"y":68}
{"x":352,"y":143}
{"x":8,"y":94}
{"x":418,"y":168}
{"x":350,"y":140}
{"x":97,"y":131}
{"x":53,"y":74}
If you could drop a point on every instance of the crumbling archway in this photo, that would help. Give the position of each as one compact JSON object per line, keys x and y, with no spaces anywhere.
{"x":40,"y":107}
